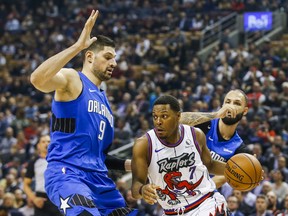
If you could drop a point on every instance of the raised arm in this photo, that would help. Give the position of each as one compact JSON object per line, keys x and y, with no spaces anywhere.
{"x":213,"y":166}
{"x":195,"y":118}
{"x":50,"y":76}
{"x":140,"y":188}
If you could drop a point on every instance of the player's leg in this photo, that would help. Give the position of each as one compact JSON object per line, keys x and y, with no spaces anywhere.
{"x":213,"y":206}
{"x":107,"y":198}
{"x":66,"y":189}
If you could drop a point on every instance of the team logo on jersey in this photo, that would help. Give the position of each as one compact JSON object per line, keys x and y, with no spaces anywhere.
{"x":95,"y":106}
{"x":64,"y":204}
{"x":92,"y":90}
{"x":176,"y":187}
{"x":217,"y":157}
{"x":175,"y":163}
{"x":75,"y":200}
{"x":158,"y":150}
{"x":227,"y":150}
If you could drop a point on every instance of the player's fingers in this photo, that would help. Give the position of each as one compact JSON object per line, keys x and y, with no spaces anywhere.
{"x":262,"y":178}
{"x":95,"y":15}
{"x":149,"y":193}
{"x":154,"y":186}
{"x":92,"y":19}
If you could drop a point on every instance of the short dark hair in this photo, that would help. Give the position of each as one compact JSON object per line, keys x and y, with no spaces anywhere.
{"x":100,"y":43}
{"x":244,"y":95}
{"x":262,"y":196}
{"x":168,"y":99}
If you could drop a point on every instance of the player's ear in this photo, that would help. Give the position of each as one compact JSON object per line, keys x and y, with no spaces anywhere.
{"x":245,"y":110}
{"x":179,"y":115}
{"x":89,"y":55}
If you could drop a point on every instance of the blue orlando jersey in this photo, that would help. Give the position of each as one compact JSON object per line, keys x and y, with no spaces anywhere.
{"x":221,"y":150}
{"x":82,"y":129}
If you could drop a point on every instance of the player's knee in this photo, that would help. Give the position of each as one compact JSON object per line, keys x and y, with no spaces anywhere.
{"x":85,"y":213}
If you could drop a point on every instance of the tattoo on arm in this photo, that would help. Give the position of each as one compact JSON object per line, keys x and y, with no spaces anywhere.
{"x":195,"y":118}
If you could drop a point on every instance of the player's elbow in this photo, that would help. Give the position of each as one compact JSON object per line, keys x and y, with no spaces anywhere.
{"x":39,"y":84}
{"x":36,"y":80}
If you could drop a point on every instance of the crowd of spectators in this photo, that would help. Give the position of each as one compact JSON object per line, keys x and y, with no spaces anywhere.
{"x":155,"y":55}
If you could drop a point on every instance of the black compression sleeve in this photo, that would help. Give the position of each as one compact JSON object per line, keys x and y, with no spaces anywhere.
{"x":115,"y":163}
{"x":243,"y":149}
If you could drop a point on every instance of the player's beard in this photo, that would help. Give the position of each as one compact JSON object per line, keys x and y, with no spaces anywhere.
{"x":232,"y":121}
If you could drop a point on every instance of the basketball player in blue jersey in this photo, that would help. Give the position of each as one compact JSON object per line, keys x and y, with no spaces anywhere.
{"x":176,"y":160}
{"x":222,"y":138}
{"x":82,"y":128}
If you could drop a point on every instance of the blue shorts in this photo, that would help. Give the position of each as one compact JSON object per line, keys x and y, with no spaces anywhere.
{"x":74,"y":191}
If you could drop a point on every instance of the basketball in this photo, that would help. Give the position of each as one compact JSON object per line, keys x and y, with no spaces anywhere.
{"x":243,"y":172}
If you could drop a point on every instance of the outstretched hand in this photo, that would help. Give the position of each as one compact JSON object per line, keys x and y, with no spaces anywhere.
{"x":226,"y":109}
{"x":85,"y":39}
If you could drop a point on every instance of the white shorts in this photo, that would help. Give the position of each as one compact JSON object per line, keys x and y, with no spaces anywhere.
{"x":212,"y":206}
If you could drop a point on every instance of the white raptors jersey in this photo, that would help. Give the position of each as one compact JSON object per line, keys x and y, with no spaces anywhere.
{"x":178,"y":170}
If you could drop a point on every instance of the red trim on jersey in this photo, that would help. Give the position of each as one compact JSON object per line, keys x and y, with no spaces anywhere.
{"x":149,"y":148}
{"x":195,"y":140}
{"x":189,"y":207}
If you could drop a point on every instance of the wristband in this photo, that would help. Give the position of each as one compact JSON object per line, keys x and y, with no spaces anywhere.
{"x":140,"y":189}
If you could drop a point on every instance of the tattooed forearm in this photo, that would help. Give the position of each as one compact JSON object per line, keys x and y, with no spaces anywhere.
{"x":195,"y":118}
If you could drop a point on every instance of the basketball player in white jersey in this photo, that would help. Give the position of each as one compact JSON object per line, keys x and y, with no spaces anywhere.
{"x":171,"y":165}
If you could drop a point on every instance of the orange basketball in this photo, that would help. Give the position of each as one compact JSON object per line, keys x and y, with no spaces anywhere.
{"x":243,"y":172}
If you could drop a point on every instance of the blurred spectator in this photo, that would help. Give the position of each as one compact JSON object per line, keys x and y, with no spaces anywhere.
{"x":261,"y":206}
{"x":273,"y":203}
{"x":6,"y":144}
{"x":224,"y":71}
{"x":245,"y":131}
{"x":20,"y":198}
{"x":144,"y":127}
{"x":233,"y":206}
{"x":10,"y":183}
{"x":284,"y":212}
{"x":257,"y":151}
{"x":282,"y":166}
{"x":263,"y":188}
{"x":123,"y":133}
{"x":3,"y":124}
{"x":28,"y":209}
{"x":273,"y":157}
{"x":256,"y":95}
{"x":279,"y":186}
{"x":9,"y":203}
{"x":2,"y":192}
{"x":123,"y":105}
{"x":246,"y":201}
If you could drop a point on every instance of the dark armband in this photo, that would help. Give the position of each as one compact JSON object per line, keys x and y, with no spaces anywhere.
{"x":115,"y":163}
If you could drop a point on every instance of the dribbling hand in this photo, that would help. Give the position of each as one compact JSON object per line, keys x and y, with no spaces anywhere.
{"x":149,"y":193}
{"x":85,"y":39}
